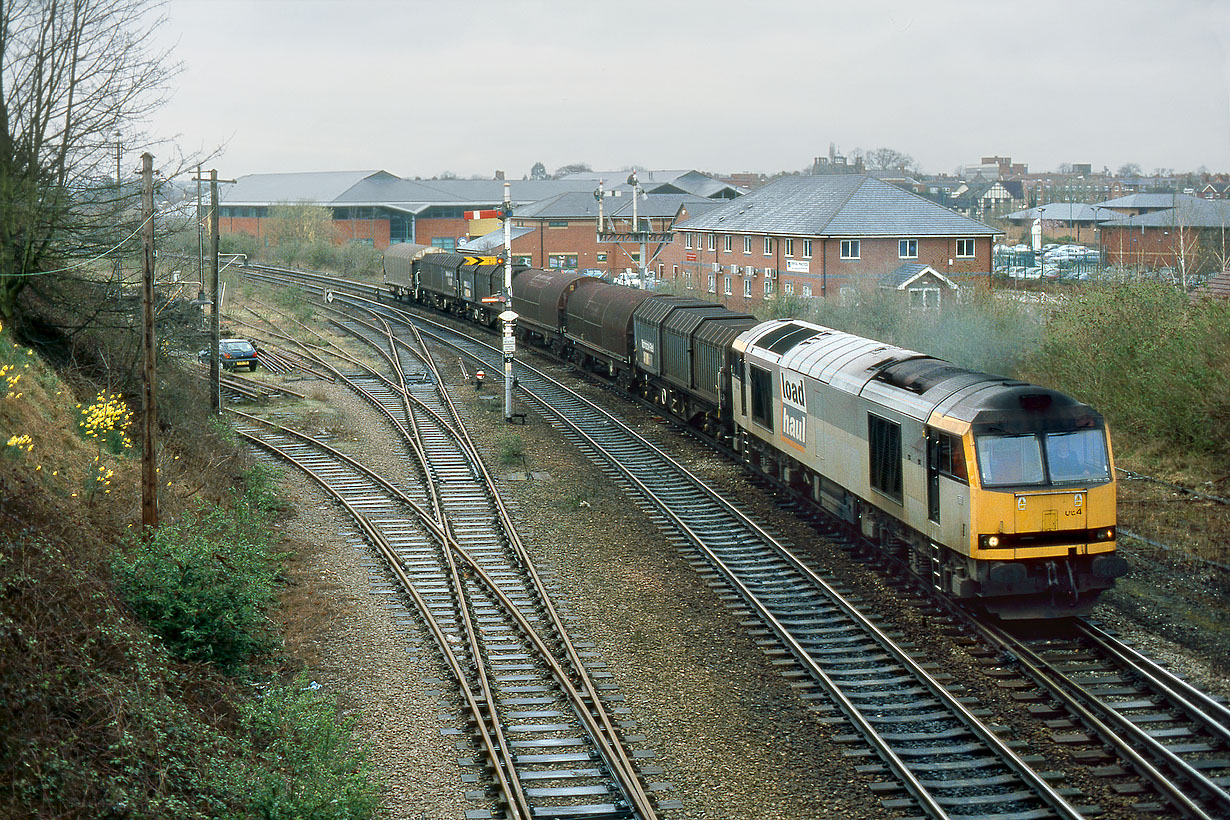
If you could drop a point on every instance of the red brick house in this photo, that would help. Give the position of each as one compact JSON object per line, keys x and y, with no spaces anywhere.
{"x":818,"y":235}
{"x":1191,"y":236}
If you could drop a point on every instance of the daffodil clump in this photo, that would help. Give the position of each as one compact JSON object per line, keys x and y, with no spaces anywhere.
{"x":11,"y":373}
{"x":20,"y":443}
{"x":107,"y":421}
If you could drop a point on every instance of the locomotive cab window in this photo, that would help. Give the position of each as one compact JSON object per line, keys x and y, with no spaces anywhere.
{"x":947,"y":456}
{"x":1008,"y":460}
{"x":762,"y":395}
{"x":1079,"y":455}
{"x":884,"y":455}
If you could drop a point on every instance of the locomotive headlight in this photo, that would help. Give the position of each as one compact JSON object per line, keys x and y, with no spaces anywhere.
{"x":990,"y":541}
{"x":1107,"y":534}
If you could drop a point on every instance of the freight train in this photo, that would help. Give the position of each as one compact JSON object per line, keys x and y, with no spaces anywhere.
{"x":998,"y":492}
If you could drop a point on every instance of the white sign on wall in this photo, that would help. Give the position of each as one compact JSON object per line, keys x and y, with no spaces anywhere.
{"x":797,"y":266}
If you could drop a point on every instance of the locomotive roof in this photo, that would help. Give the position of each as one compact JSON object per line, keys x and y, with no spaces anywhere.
{"x":907,"y":381}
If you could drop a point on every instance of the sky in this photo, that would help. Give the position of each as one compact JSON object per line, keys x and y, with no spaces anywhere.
{"x":420,"y":88}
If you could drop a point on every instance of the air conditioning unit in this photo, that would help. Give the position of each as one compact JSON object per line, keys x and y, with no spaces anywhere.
{"x":751,"y":272}
{"x":734,"y":269}
{"x":717,"y":267}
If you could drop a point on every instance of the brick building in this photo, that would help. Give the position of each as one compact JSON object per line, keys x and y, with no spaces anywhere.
{"x":820,"y":236}
{"x":561,"y":232}
{"x":1192,"y":236}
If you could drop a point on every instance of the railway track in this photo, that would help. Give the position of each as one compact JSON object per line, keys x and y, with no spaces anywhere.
{"x":900,"y":708}
{"x":551,"y":745}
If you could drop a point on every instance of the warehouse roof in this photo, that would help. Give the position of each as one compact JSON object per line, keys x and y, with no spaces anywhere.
{"x":1189,"y":212}
{"x":1144,"y":201}
{"x":836,"y":205}
{"x":1064,"y":212}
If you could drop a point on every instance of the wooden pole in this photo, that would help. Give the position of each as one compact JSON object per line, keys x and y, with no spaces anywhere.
{"x":149,"y":397}
{"x":215,"y":332}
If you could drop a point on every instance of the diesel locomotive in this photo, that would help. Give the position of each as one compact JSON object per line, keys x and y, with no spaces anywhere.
{"x":998,"y":492}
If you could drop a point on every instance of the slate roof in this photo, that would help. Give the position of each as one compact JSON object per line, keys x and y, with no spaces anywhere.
{"x":1190,"y":212}
{"x":1065,"y":212}
{"x":1144,"y":201}
{"x":835,"y":205}
{"x":492,"y":241}
{"x":671,"y":181}
{"x":316,"y":188}
{"x":583,"y":206}
{"x":383,"y":188}
{"x":907,"y":273}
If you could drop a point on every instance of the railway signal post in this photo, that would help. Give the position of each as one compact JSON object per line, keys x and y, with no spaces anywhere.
{"x":509,"y":316}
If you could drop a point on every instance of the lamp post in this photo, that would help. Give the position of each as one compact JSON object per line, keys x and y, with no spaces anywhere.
{"x":509,"y":316}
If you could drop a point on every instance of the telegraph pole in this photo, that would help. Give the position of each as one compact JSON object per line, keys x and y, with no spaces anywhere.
{"x":149,"y":397}
{"x":215,"y":328}
{"x":215,"y":287}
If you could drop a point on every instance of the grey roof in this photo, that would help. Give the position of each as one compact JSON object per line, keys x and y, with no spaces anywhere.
{"x":383,"y":188}
{"x":492,"y":241}
{"x":675,"y":181}
{"x":836,"y":205}
{"x":317,"y":188}
{"x":1144,"y":201}
{"x":1065,"y":212}
{"x":1190,"y":212}
{"x":584,"y":206}
{"x":907,"y":273}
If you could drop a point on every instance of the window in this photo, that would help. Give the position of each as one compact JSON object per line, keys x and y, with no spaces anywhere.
{"x":965,"y":248}
{"x":1009,"y":460}
{"x":445,"y":242}
{"x":1077,"y":456}
{"x":849,"y":249}
{"x":712,"y":279}
{"x":563,"y":261}
{"x":947,"y":456}
{"x":687,"y":240}
{"x":747,"y":244}
{"x":848,"y":296}
{"x":768,"y":246}
{"x":789,"y":247}
{"x":522,"y":260}
{"x":726,"y":243}
{"x":806,"y":290}
{"x":788,"y":288}
{"x":726,"y":285}
{"x":768,"y":286}
{"x":713,"y":242}
{"x":687,"y":277}
{"x":907,"y":249}
{"x":762,"y":395}
{"x":601,"y":257}
{"x":747,"y":287}
{"x":924,"y":298}
{"x":884,"y":455}
{"x":807,"y":247}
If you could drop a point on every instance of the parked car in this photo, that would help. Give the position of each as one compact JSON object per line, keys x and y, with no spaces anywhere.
{"x":233,"y":353}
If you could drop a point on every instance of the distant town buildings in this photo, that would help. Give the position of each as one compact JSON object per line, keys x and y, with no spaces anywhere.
{"x":745,"y":237}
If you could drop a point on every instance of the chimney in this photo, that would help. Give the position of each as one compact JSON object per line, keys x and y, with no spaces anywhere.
{"x":499,"y":175}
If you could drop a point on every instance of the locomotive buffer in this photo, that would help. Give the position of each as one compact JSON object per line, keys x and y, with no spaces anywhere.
{"x":509,"y":316}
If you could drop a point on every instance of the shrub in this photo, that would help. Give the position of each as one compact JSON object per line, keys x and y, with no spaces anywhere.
{"x":205,"y":585}
{"x":1147,"y":357}
{"x":307,"y":764}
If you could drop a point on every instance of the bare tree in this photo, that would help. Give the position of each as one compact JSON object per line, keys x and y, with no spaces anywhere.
{"x":574,"y":168}
{"x":539,"y":171}
{"x":885,"y":159}
{"x":74,"y":75}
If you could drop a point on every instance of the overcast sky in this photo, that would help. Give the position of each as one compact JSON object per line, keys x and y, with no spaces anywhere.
{"x":417,"y":88}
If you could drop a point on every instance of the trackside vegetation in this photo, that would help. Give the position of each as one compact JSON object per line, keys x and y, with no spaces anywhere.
{"x":142,"y":675}
{"x":1153,"y":360}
